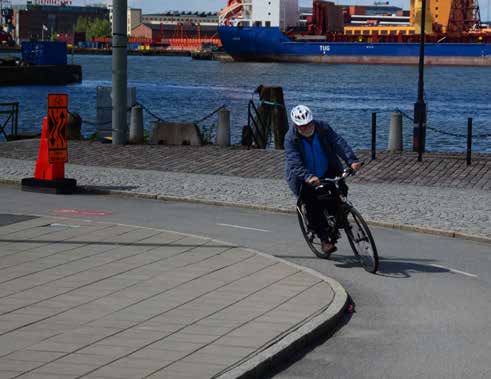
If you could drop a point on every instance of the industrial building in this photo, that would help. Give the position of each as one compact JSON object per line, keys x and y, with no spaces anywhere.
{"x":35,"y":21}
{"x":174,"y":18}
{"x":163,"y":32}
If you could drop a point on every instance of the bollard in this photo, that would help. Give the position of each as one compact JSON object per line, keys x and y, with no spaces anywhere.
{"x":136,"y":125}
{"x":395,"y":134}
{"x":223,"y":129}
{"x":73,"y":125}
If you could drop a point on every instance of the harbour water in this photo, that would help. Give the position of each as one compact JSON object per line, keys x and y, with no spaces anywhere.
{"x":180,"y":89}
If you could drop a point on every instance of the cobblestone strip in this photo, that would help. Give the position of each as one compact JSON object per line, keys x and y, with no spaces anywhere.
{"x":455,"y":211}
{"x":437,"y":169}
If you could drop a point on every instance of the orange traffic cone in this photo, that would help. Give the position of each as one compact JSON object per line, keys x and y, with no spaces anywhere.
{"x":48,"y":177}
{"x":45,"y":170}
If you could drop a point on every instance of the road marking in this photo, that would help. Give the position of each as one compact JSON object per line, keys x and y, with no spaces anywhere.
{"x":65,"y":225}
{"x":245,"y":227}
{"x":456,"y":271}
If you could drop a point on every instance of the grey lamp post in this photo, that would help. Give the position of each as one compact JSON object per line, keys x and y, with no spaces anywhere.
{"x":419,"y":133}
{"x":119,"y":73}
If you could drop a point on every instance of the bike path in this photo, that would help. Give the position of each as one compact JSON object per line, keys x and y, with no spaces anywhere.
{"x":429,"y":302}
{"x":81,"y":298}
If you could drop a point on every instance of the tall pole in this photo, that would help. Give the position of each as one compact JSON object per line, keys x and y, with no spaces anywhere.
{"x":73,"y":41}
{"x":119,"y":70}
{"x":419,"y":133}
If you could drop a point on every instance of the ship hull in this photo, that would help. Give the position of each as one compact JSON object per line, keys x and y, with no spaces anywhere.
{"x":270,"y":45}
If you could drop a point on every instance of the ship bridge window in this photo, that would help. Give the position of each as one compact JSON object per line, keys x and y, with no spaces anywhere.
{"x":366,"y":32}
{"x":383,"y":32}
{"x":258,"y":23}
{"x":393,"y":32}
{"x":357,"y":32}
{"x":268,"y":24}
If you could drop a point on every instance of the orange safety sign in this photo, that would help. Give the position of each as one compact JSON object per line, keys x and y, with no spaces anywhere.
{"x":57,"y":130}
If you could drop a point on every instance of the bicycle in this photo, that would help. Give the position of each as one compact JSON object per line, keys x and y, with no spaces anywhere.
{"x":345,"y":217}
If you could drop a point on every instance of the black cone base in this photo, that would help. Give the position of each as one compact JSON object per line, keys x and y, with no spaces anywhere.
{"x":57,"y":186}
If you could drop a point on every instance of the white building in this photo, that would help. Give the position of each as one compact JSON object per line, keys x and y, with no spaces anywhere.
{"x":276,"y":13}
{"x":134,"y":17}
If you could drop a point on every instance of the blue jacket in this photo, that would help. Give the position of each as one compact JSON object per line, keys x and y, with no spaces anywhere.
{"x":296,"y":172}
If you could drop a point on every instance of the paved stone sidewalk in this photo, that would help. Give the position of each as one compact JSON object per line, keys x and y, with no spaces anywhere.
{"x":465,"y":211}
{"x":85,"y":299}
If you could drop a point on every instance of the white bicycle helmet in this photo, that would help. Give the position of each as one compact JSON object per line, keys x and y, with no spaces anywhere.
{"x":301,"y":115}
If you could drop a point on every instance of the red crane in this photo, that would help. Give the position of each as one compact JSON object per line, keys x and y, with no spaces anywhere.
{"x":464,"y":17}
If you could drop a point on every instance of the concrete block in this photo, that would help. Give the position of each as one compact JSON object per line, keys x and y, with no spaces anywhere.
{"x":175,"y":133}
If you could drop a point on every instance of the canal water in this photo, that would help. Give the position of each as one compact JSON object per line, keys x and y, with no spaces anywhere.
{"x":180,"y":89}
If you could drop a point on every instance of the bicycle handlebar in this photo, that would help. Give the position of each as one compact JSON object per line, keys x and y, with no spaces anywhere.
{"x":347,"y":172}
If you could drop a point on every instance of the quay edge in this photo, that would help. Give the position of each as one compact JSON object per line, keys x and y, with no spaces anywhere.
{"x":40,"y":75}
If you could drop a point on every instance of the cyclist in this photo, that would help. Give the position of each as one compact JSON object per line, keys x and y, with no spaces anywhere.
{"x":312,"y":149}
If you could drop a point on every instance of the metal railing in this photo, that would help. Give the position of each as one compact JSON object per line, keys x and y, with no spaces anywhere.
{"x":12,"y":112}
{"x":257,"y":126}
{"x":469,"y":135}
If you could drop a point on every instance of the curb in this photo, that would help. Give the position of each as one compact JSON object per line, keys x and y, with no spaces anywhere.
{"x":322,"y":323}
{"x":140,"y":195}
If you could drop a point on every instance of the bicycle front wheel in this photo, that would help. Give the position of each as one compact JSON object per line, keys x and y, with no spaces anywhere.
{"x":361,"y":240}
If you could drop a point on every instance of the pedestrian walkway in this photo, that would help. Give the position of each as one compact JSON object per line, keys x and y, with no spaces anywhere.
{"x":81,"y":299}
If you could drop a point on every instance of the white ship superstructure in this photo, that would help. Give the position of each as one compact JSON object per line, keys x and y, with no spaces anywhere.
{"x":266,"y":13}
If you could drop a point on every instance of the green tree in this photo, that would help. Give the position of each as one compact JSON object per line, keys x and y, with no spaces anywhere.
{"x":94,"y":28}
{"x":82,"y":25}
{"x":98,"y":28}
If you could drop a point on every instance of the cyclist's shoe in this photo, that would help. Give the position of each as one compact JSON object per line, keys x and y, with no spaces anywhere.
{"x":328,"y":247}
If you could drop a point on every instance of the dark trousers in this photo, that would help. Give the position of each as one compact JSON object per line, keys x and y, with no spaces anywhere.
{"x":315,"y":207}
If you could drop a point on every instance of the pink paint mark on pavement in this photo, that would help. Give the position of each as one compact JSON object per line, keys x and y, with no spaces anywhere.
{"x":81,"y":212}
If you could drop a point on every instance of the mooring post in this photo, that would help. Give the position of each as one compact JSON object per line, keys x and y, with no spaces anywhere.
{"x":223,"y":128}
{"x":272,"y":110}
{"x":136,"y":125}
{"x":395,"y":133}
{"x":469,"y":140}
{"x":374,"y":135}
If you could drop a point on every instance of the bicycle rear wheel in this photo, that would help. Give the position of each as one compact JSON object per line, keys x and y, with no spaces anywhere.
{"x":313,"y":241}
{"x":361,"y":240}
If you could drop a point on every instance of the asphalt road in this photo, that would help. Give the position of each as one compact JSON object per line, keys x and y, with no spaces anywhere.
{"x":425,"y":315}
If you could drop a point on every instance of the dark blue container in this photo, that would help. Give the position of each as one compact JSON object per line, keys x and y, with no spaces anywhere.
{"x":44,"y":52}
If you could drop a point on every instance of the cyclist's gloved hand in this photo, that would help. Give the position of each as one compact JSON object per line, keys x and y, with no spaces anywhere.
{"x":313,"y":181}
{"x":356,"y":166}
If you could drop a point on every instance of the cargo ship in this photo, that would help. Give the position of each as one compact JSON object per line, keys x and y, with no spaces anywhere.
{"x":256,"y":30}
